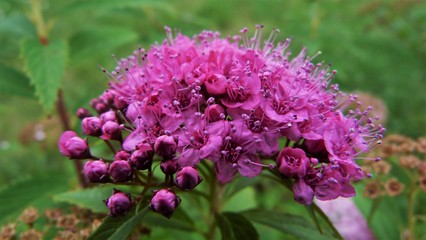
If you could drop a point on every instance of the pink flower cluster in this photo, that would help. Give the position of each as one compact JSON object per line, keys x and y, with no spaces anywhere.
{"x":232,"y":101}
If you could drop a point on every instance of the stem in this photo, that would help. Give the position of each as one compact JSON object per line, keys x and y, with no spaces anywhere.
{"x":63,"y":116}
{"x":37,"y":18}
{"x":216,"y":192}
{"x":110,"y":146}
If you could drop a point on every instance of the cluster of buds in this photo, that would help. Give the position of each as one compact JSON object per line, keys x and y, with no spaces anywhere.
{"x":401,"y":151}
{"x":228,"y":101}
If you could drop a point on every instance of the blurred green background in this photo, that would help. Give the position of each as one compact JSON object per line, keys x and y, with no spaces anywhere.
{"x":378,"y":47}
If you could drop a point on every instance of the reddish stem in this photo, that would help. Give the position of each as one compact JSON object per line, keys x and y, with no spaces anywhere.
{"x":63,"y":115}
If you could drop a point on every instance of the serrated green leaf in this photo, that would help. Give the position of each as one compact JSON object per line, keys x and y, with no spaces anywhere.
{"x":296,"y":226}
{"x":13,"y":82}
{"x":87,"y":198}
{"x":118,"y":228}
{"x":35,"y":191}
{"x":87,"y":43}
{"x":235,"y":226}
{"x":45,"y":65}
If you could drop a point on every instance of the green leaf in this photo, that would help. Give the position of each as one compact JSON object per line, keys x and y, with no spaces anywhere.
{"x":179,"y":221}
{"x":235,"y":226}
{"x":296,"y":226}
{"x":35,"y":191}
{"x":13,"y":82}
{"x":45,"y":65}
{"x":100,"y":40}
{"x":237,"y":185}
{"x":118,"y":228}
{"x":87,"y":198}
{"x":82,"y":5}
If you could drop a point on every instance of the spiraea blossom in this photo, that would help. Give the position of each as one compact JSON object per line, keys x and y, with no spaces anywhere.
{"x":233,"y":102}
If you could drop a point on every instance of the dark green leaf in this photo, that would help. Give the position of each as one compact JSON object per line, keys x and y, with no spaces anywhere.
{"x":118,"y":228}
{"x":235,"y":226}
{"x":296,"y":226}
{"x":14,"y":83}
{"x":35,"y":191}
{"x":87,"y":198}
{"x":45,"y":65}
{"x":87,"y":43}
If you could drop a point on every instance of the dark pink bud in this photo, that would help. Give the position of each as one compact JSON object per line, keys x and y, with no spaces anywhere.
{"x":95,"y":102}
{"x":165,"y":202}
{"x":109,"y":116}
{"x":83,"y":113}
{"x":214,"y":112}
{"x":101,"y":107}
{"x":92,"y":126}
{"x":96,"y":171}
{"x":292,"y":162}
{"x":187,"y":178}
{"x":141,"y":159}
{"x":216,"y":84}
{"x":169,"y":166}
{"x":165,"y":146}
{"x":119,"y":203}
{"x":119,"y":103}
{"x":107,"y":97}
{"x":120,"y":171}
{"x":122,"y":155}
{"x":72,"y":146}
{"x":303,"y":193}
{"x":111,"y":130}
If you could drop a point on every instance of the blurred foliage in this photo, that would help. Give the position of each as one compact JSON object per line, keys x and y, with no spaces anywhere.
{"x":377,"y":46}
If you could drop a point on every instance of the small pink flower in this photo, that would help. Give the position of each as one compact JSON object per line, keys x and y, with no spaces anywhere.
{"x":72,"y":146}
{"x":292,"y":162}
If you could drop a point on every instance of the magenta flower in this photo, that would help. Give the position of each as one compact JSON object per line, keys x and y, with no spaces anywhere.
{"x":119,"y":203}
{"x":164,"y":201}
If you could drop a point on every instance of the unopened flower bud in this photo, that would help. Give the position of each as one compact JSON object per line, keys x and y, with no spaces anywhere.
{"x":101,"y":107}
{"x":292,"y":162}
{"x":92,"y":126}
{"x":214,"y":112}
{"x":122,"y":155}
{"x":119,"y":103}
{"x":165,"y":202}
{"x":303,"y":193}
{"x":121,"y":171}
{"x":141,"y":159}
{"x":96,"y":171}
{"x":119,"y":203}
{"x":111,"y":130}
{"x":216,"y":84}
{"x":187,"y":178}
{"x":109,"y":116}
{"x":165,"y":146}
{"x":72,"y":146}
{"x":83,"y":113}
{"x":107,"y":97}
{"x":169,"y":166}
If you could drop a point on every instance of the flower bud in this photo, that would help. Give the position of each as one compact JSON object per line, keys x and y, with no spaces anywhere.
{"x":96,"y":171}
{"x":107,"y":97}
{"x":165,"y":202}
{"x":214,"y":112}
{"x":121,"y":171}
{"x":109,"y":116}
{"x":92,"y":126}
{"x":141,"y":159}
{"x":303,"y":193}
{"x":122,"y":155}
{"x":83,"y":113}
{"x":165,"y":146}
{"x":111,"y":130}
{"x":119,"y":103}
{"x":292,"y":162}
{"x":187,"y":178}
{"x":216,"y":84}
{"x":72,"y":146}
{"x":169,"y":166}
{"x":119,"y":203}
{"x":101,"y":107}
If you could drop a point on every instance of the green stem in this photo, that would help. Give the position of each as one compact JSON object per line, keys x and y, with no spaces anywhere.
{"x":411,"y":217}
{"x":215,"y":199}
